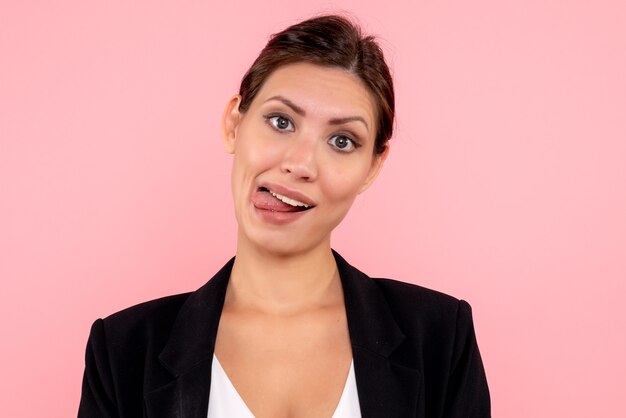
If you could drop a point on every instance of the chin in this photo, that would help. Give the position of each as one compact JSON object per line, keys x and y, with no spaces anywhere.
{"x":280,"y":243}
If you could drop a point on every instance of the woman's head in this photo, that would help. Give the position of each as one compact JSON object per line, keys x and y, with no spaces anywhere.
{"x":308,"y":133}
{"x":329,"y":41}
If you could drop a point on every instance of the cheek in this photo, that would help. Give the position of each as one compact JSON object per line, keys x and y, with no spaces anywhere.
{"x":343,"y":183}
{"x":254,"y":155}
{"x":256,"y":146}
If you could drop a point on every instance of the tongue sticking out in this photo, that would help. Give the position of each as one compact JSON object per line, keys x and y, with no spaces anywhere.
{"x":264,"y":200}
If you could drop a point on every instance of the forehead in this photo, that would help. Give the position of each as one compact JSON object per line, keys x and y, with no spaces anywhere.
{"x":325,"y":90}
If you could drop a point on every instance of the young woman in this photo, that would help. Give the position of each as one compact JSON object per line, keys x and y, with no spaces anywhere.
{"x":288,"y":328}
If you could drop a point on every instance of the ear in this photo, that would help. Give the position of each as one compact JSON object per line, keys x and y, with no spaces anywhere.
{"x":377,"y":163}
{"x":230,"y":121}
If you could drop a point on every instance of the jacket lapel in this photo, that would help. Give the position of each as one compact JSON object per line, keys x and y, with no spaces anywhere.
{"x":387,"y":387}
{"x":188,"y":353}
{"x":187,"y":396}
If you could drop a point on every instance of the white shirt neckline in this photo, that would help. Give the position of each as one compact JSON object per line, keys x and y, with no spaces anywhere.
{"x":225,"y":401}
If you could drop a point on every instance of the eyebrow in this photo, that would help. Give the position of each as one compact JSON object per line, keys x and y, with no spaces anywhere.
{"x":300,"y":111}
{"x":341,"y":121}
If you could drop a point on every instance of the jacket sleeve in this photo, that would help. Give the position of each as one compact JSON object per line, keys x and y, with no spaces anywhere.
{"x":98,"y":396}
{"x":467,"y":395}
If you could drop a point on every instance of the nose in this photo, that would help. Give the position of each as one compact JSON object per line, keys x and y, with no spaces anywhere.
{"x":300,"y":159}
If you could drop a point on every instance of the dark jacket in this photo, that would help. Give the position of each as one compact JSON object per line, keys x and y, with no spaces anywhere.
{"x":414,"y":351}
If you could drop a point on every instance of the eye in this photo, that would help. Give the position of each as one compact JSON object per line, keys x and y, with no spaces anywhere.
{"x":280,"y":122}
{"x":342,"y":143}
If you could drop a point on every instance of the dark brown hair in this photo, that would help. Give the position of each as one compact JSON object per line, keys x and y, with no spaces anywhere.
{"x":330,"y":41}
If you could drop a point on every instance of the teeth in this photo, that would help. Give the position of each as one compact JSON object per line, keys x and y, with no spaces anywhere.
{"x":289,"y":201}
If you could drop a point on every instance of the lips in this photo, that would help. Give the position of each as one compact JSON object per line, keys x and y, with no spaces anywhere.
{"x":277,"y":198}
{"x":267,"y":200}
{"x":288,"y":200}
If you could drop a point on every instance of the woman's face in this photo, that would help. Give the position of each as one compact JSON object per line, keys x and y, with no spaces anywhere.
{"x":302,"y":152}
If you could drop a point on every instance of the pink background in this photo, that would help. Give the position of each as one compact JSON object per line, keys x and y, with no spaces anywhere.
{"x":506,"y":184}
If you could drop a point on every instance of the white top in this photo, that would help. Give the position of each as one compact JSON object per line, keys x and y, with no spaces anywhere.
{"x":225,"y":402}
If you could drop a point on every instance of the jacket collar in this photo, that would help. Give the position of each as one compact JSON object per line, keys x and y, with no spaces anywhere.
{"x":192,"y":340}
{"x":383,"y":385}
{"x":189,"y":352}
{"x":370,"y":322}
{"x":387,"y":387}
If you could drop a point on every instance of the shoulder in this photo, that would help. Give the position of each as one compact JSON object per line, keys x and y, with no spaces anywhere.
{"x":145,"y":324}
{"x":424,"y":310}
{"x":439,"y":340}
{"x":403,"y":293}
{"x":412,"y":297}
{"x":147,"y":327}
{"x":417,"y":310}
{"x":148,"y":314}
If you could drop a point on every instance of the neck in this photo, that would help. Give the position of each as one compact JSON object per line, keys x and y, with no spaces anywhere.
{"x":283,"y":284}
